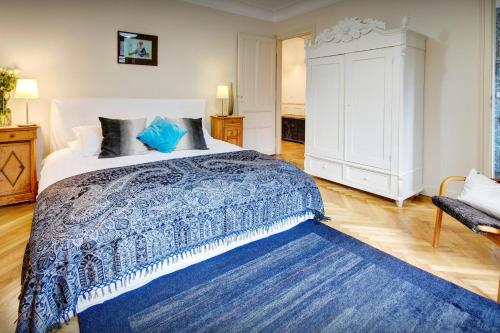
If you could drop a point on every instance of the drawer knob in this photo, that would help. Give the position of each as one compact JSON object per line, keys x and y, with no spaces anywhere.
{"x":365,"y":178}
{"x":12,"y":135}
{"x":323,"y":166}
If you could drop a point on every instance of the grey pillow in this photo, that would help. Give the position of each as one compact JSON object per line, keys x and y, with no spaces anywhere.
{"x":119,"y":137}
{"x":194,"y":138}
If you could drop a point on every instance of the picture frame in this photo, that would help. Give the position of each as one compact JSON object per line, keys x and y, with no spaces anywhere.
{"x":137,"y":49}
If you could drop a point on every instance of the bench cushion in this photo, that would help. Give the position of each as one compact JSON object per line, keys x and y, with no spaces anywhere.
{"x":466,"y":214}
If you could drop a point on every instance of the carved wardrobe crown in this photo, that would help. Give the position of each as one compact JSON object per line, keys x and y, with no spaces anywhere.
{"x":352,"y":28}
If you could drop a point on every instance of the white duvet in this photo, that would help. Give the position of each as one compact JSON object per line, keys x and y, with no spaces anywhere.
{"x":68,"y":162}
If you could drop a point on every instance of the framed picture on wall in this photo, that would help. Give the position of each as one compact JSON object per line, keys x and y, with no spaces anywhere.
{"x":137,"y":49}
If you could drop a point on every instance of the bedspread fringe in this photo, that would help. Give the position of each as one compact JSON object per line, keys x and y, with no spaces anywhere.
{"x":144,"y":274}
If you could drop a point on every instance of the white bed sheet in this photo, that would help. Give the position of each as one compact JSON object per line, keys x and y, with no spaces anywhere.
{"x":67,"y":162}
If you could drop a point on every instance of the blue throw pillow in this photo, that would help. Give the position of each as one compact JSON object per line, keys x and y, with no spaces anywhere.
{"x":162,"y":135}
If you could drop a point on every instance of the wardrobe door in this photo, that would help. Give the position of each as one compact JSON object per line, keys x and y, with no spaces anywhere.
{"x":325,"y":107}
{"x":368,"y":107}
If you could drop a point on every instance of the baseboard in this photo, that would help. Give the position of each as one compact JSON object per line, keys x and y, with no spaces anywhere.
{"x":433,"y":190}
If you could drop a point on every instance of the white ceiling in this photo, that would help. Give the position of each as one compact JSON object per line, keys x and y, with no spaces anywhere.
{"x":267,"y":10}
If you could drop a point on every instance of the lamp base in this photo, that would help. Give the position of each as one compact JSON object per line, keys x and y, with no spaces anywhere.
{"x":27,"y":125}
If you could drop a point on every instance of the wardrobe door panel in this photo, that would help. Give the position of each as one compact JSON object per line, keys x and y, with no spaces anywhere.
{"x":368,"y":107}
{"x":325,"y":107}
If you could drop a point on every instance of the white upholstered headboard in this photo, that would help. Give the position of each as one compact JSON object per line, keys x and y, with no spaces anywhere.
{"x":68,"y":113}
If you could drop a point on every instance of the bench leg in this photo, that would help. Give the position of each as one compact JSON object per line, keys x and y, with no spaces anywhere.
{"x":437,"y":227}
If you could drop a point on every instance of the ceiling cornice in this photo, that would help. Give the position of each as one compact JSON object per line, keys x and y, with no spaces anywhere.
{"x":302,"y":8}
{"x":244,"y":9}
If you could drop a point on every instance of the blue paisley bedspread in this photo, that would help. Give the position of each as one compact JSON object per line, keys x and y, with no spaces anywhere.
{"x":92,"y":231}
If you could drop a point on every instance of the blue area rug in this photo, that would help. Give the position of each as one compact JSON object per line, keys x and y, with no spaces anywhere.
{"x":310,"y":278}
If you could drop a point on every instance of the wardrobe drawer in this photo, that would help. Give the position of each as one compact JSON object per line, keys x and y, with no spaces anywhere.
{"x":369,"y":180}
{"x":324,"y":169}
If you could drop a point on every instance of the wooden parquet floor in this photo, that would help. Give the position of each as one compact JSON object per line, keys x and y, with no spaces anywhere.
{"x":463,"y":257}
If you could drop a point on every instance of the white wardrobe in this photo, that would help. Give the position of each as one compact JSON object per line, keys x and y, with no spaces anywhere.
{"x":365,"y":87}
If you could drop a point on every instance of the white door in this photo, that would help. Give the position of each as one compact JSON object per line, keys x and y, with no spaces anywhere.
{"x":325,"y":107}
{"x":368,"y":107}
{"x":256,"y":91}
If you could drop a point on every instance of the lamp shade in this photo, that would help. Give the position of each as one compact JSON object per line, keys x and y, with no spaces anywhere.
{"x":222,"y":92}
{"x":26,"y":89}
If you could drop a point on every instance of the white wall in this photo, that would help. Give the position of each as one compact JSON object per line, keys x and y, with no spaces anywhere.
{"x":70,"y":48}
{"x":452,"y":72}
{"x":293,"y":84}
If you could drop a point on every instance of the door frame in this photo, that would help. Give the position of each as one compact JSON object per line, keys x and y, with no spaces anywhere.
{"x":487,"y":37}
{"x":279,"y":57}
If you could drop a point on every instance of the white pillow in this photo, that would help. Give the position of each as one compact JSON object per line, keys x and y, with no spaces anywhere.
{"x":208,"y":138}
{"x":73,"y":144}
{"x":481,"y":193}
{"x":89,"y":139}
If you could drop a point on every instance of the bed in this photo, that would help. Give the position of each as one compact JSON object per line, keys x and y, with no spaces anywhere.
{"x":103,"y":227}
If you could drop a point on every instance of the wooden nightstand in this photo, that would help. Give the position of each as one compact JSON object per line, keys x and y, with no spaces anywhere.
{"x":229,"y":129}
{"x":17,"y":164}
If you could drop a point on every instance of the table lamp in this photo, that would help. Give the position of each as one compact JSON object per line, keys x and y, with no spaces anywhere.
{"x":222,"y":93}
{"x":26,"y":89}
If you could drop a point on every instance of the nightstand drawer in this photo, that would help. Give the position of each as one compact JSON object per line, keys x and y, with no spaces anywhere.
{"x":229,"y":121}
{"x":9,"y":136}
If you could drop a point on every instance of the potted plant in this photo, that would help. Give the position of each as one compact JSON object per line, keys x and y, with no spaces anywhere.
{"x":8,"y":79}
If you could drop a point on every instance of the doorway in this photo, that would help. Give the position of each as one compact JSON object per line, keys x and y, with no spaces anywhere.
{"x":291,"y":96}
